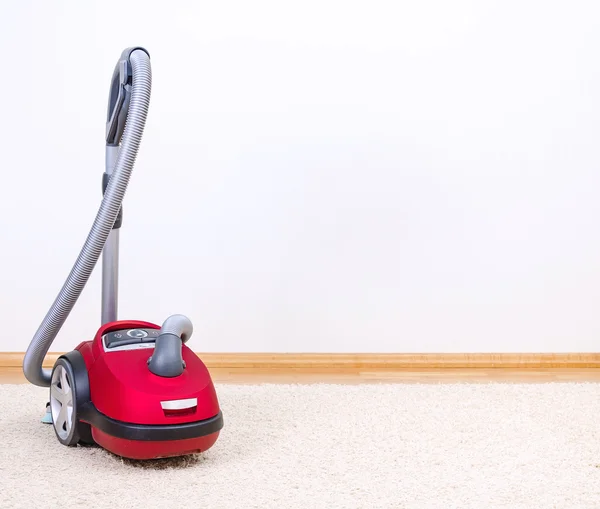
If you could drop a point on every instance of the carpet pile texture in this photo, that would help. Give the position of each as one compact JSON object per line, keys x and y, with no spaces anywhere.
{"x":480,"y":446}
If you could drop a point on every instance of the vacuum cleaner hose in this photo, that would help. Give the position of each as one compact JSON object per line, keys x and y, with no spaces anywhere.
{"x":178,"y":325}
{"x":102,"y":226}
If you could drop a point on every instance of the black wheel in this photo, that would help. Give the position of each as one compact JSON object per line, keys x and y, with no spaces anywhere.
{"x":63,"y":403}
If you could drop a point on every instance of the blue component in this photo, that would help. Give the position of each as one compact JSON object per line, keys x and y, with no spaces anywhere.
{"x":47,"y":419}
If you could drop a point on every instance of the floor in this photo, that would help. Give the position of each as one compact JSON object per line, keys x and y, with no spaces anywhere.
{"x":330,"y":446}
{"x":351,"y":376}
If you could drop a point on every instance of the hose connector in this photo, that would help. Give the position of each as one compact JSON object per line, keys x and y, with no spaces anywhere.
{"x":167,"y":359}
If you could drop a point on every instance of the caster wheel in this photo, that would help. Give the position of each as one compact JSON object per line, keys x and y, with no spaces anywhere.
{"x":63,"y":403}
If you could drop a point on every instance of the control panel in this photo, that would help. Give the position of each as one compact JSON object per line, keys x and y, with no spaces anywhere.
{"x":129,"y":339}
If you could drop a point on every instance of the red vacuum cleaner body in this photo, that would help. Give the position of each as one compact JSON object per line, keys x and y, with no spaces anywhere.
{"x":130,"y":411}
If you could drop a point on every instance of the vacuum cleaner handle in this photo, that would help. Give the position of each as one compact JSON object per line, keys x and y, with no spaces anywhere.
{"x":119,"y":96}
{"x":121,"y":86}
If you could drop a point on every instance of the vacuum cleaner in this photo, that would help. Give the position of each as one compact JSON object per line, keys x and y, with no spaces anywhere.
{"x":136,"y":389}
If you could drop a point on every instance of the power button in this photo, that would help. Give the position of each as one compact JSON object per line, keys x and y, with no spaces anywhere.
{"x":137,"y":333}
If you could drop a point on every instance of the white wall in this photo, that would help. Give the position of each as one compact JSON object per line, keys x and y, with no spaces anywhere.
{"x":315,"y":176}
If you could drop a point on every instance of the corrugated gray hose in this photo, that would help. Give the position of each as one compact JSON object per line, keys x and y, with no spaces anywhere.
{"x":105,"y":219}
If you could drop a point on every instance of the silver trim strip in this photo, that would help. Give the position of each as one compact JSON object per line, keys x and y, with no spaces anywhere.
{"x":179,"y":404}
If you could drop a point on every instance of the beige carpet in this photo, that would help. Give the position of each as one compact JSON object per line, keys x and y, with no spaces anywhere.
{"x":326,"y":446}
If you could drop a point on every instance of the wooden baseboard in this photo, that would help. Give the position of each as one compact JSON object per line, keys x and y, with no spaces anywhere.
{"x":369,"y":361}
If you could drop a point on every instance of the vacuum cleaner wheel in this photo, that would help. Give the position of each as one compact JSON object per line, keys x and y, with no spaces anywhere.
{"x":63,"y":405}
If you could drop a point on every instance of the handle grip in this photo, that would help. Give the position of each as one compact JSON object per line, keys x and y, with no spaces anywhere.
{"x":119,"y":96}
